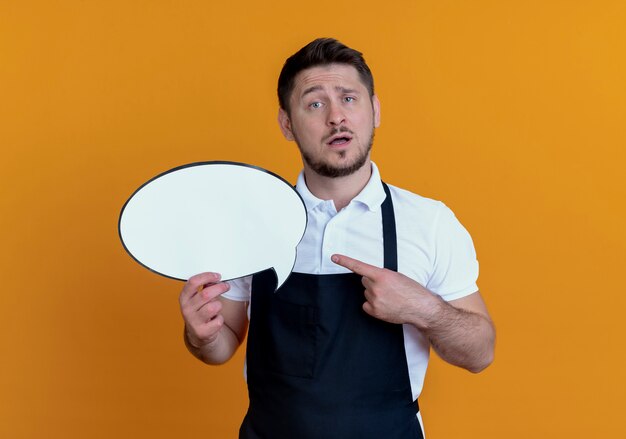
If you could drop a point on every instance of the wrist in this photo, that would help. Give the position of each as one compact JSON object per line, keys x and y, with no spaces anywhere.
{"x":428,"y":312}
{"x":198,"y":343}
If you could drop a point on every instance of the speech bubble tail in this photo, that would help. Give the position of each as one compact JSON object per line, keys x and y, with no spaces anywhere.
{"x":283,"y":272}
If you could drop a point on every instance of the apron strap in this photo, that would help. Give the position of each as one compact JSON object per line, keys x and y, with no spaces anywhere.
{"x":389,"y":232}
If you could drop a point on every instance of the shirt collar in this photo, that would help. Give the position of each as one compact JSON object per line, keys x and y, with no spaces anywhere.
{"x":372,"y":195}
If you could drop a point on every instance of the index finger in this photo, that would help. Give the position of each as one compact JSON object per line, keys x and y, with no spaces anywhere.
{"x":197,"y":282}
{"x":359,"y":267}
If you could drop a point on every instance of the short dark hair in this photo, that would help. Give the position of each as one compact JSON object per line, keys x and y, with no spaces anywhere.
{"x":320,"y":52}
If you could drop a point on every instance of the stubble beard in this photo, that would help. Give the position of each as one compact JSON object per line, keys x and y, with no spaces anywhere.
{"x":325,"y":169}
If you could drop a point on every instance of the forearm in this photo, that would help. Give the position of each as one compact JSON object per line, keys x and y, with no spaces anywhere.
{"x":216,"y":352}
{"x":460,"y":337}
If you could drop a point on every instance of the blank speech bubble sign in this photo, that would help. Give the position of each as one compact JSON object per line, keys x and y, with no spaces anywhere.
{"x":226,"y":217}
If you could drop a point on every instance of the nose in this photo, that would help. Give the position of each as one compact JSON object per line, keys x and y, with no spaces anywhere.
{"x":336,"y":115}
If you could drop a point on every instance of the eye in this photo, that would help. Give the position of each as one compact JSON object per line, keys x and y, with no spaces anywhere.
{"x":315,"y":105}
{"x":349,"y":99}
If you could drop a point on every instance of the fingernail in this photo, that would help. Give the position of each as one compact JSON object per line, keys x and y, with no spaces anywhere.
{"x":334,"y":258}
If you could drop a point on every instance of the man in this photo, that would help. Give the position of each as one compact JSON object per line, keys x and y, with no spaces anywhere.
{"x":381,"y":274}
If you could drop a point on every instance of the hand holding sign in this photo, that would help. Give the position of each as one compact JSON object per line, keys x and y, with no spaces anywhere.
{"x":224,"y":217}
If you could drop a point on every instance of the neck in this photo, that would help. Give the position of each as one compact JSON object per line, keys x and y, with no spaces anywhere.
{"x":341,"y":189}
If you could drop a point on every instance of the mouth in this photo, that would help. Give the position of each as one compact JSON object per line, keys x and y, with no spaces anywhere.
{"x":339,"y":140}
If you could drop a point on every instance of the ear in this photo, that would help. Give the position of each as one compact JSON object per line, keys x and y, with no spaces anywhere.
{"x":376,"y":106}
{"x":285,"y":124}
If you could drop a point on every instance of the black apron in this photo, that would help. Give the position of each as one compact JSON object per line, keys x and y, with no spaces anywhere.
{"x":319,"y":367}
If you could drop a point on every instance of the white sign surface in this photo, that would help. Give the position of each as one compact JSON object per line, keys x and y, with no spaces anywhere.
{"x":225,"y":217}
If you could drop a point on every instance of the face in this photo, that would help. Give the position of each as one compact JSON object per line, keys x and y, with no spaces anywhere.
{"x":332,"y":119}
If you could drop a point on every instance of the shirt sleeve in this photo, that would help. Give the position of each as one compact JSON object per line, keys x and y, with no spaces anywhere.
{"x":239,"y":289}
{"x":455,"y":269}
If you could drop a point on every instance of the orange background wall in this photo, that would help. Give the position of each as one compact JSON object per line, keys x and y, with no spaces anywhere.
{"x":513,"y":113}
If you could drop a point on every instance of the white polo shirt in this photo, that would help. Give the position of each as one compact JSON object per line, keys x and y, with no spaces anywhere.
{"x":434,"y":249}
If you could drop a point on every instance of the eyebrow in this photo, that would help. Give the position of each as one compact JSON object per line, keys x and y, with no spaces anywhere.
{"x":311,"y":90}
{"x":345,"y":90}
{"x":319,"y":87}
